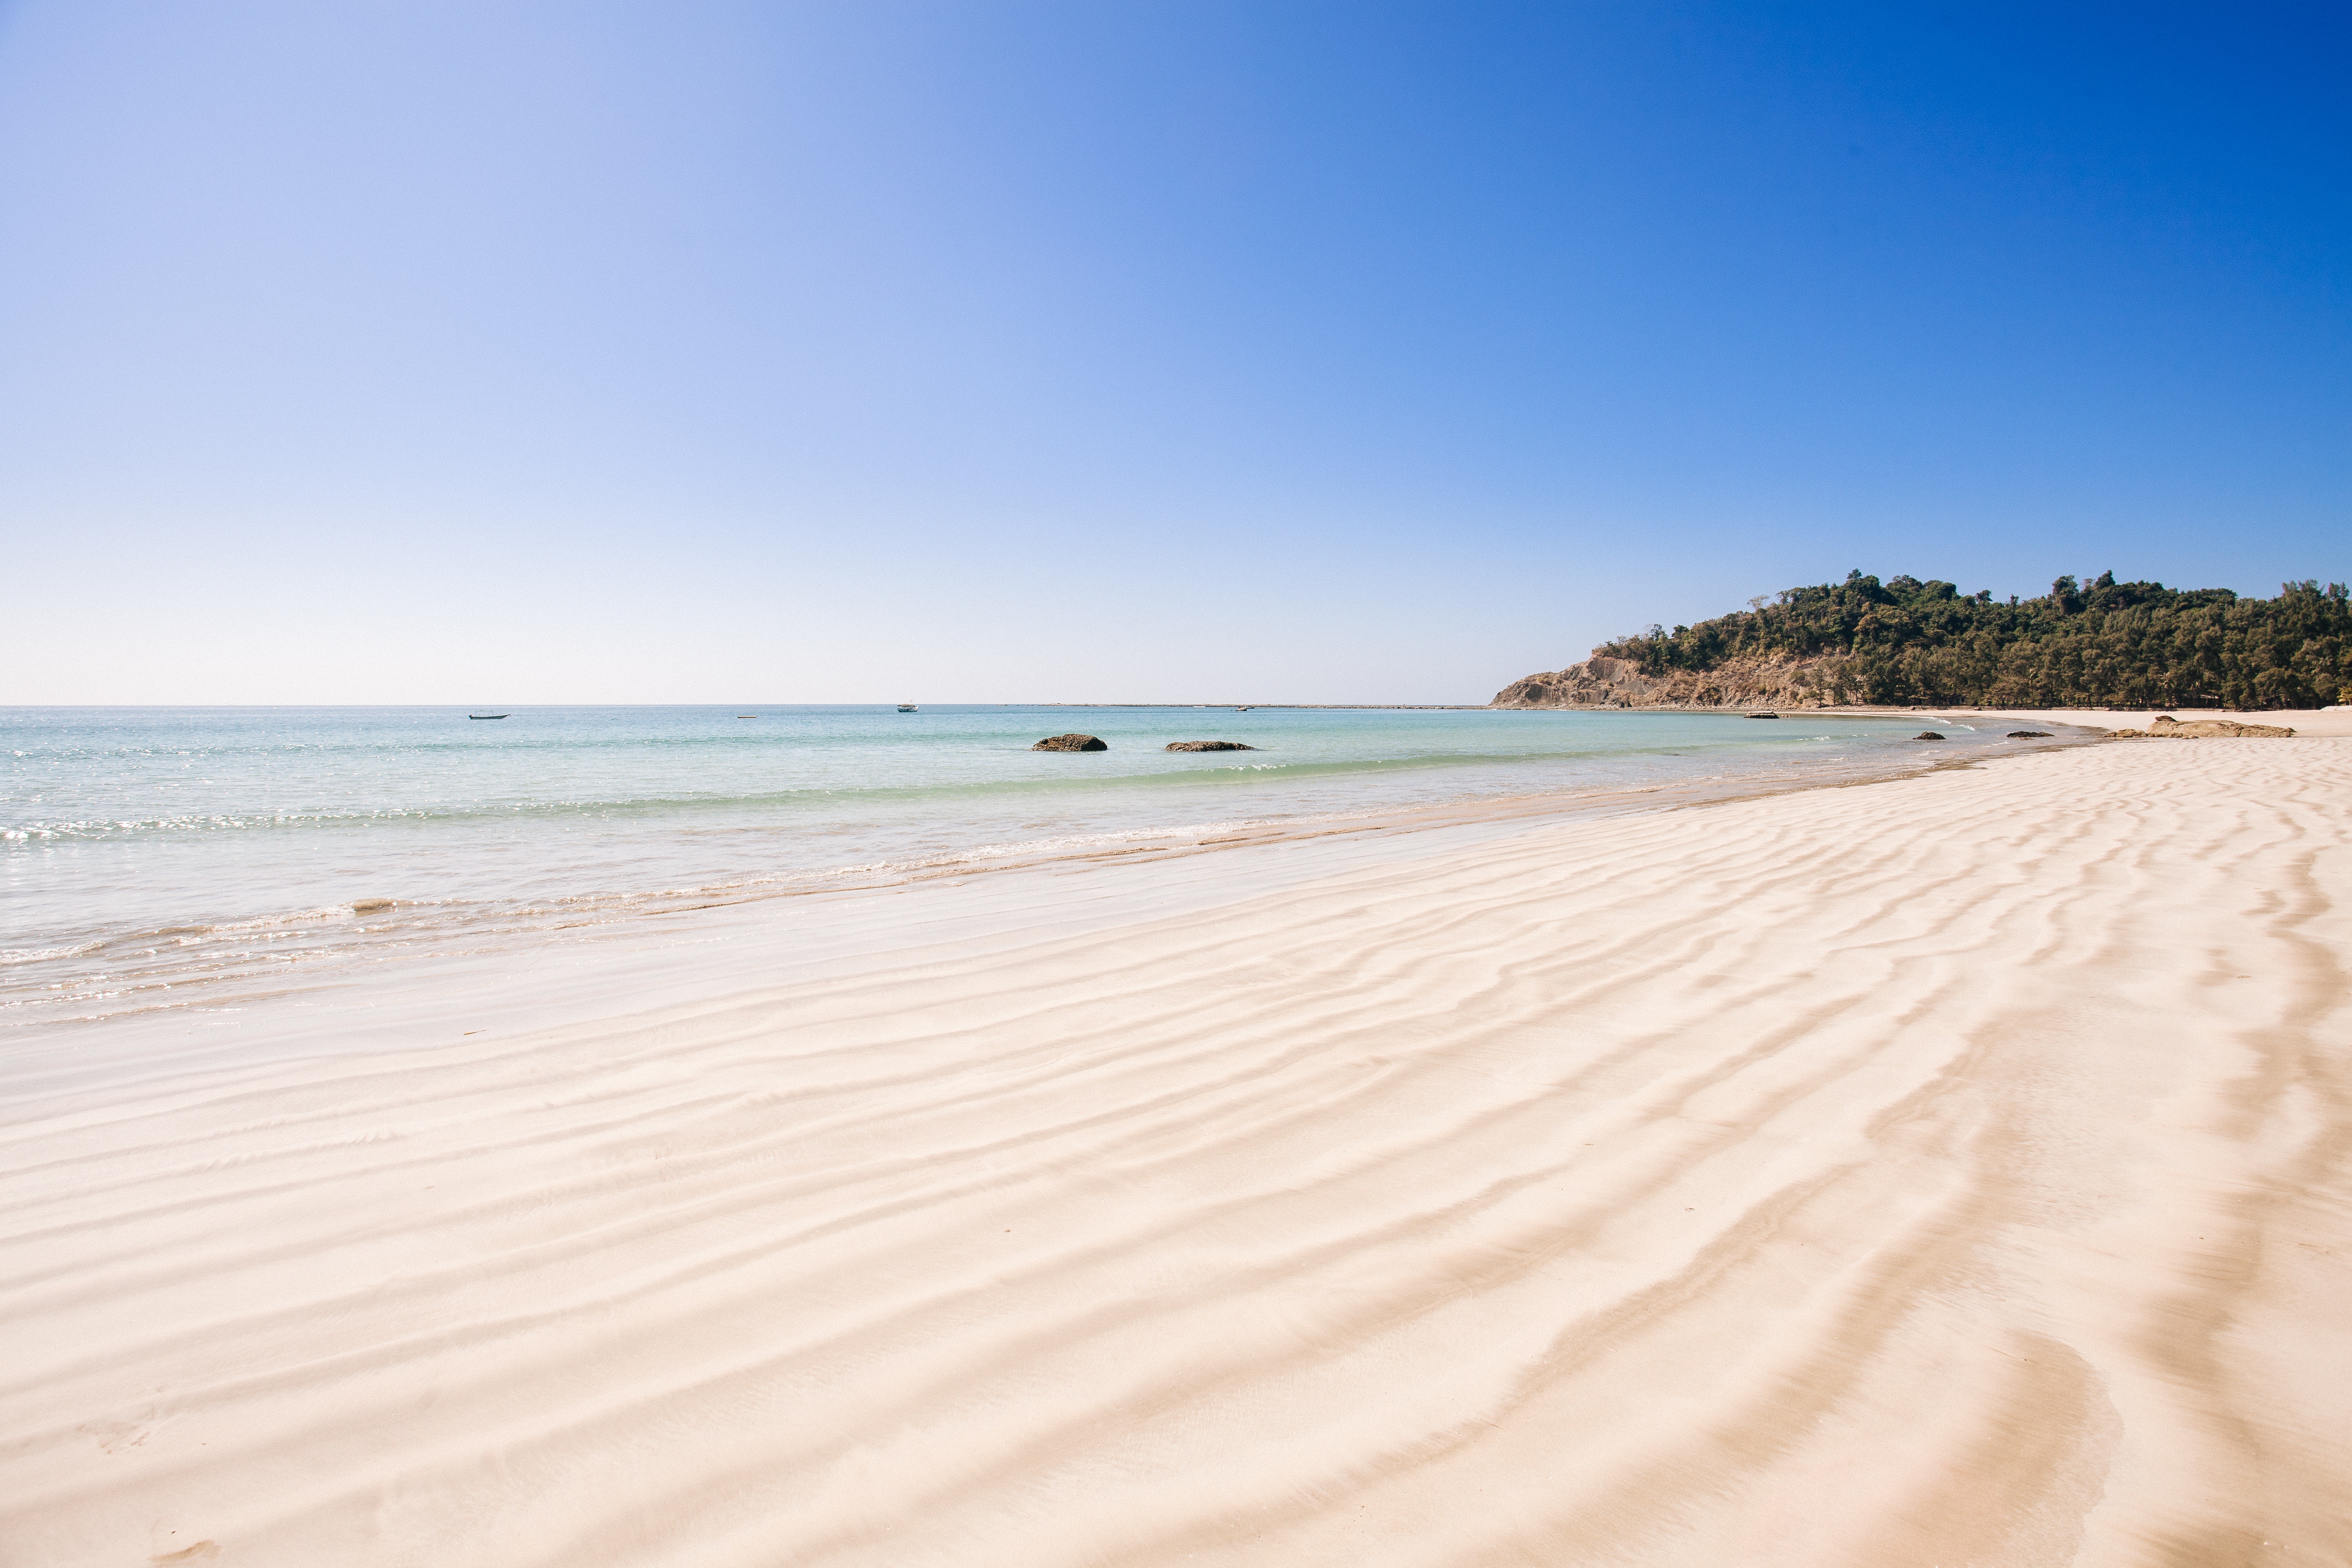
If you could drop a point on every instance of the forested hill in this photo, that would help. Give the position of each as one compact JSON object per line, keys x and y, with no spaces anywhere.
{"x":2104,"y":644}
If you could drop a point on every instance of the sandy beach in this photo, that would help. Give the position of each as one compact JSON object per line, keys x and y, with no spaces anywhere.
{"x":1945,"y":1171}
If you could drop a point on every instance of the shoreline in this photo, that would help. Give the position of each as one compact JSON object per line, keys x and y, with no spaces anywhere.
{"x":624,"y":917}
{"x":2310,"y":722}
{"x":1942,"y":1169}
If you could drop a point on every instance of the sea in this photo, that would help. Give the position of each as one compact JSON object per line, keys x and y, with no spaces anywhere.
{"x":192,"y":857}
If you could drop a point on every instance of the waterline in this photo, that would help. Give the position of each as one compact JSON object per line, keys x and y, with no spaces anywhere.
{"x":210,"y":850}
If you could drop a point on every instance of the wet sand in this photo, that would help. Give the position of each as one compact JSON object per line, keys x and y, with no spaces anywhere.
{"x":1951,"y":1169}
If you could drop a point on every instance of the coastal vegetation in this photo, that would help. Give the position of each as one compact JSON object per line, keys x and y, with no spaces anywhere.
{"x":2100,"y":644}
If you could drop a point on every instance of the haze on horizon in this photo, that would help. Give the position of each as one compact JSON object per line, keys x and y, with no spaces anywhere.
{"x":443,"y":352}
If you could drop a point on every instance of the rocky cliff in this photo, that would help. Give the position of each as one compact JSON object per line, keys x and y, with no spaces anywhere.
{"x":1601,"y":681}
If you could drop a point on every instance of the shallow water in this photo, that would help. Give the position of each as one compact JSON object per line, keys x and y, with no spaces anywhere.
{"x":146,"y":851}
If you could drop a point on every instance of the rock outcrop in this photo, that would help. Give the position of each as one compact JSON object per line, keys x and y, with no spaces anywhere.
{"x":1070,"y":743}
{"x":1601,"y":681}
{"x":1209,"y":746}
{"x":2029,"y":734}
{"x":1928,"y":735}
{"x":2165,"y":727}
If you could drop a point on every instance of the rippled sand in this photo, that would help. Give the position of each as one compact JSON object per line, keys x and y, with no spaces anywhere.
{"x":1944,"y":1172}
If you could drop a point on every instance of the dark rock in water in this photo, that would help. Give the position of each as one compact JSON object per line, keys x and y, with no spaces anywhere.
{"x":2029,"y":734}
{"x":371,"y":906}
{"x":1209,"y":746}
{"x":1069,"y":743}
{"x":1763,"y":715}
{"x":1926,"y":736}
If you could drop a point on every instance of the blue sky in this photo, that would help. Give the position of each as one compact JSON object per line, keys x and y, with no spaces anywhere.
{"x":402,"y":350}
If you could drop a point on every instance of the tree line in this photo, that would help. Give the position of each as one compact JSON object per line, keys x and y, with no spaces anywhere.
{"x":2101,"y":645}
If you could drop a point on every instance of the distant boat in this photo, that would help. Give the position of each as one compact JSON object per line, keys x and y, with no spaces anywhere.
{"x":484,"y":715}
{"x":1763,"y":715}
{"x":747,"y":715}
{"x":906,"y":708}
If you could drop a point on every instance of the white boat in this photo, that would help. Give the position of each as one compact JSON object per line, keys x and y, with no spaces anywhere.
{"x":906,"y":707}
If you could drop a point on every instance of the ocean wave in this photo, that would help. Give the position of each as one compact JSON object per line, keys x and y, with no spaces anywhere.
{"x":1257,"y":770}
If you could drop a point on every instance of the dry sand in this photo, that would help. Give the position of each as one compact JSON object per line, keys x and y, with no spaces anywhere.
{"x":1944,"y":1171}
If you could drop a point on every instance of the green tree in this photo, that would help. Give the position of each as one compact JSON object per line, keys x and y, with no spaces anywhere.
{"x":2101,"y":644}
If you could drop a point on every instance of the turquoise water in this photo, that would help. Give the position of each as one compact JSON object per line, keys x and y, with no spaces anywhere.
{"x":140,"y":848}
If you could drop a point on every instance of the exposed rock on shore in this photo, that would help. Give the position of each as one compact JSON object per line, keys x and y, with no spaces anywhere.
{"x":1209,"y":746}
{"x":2165,"y":727}
{"x":1601,"y":681}
{"x":1070,"y":743}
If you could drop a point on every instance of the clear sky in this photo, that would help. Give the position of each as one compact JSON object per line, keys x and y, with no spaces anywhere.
{"x":410,"y":350}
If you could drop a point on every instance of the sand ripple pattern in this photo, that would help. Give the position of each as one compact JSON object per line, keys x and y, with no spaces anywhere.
{"x":1944,"y":1171}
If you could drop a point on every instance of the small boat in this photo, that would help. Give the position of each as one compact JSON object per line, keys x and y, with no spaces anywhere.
{"x":906,"y":707}
{"x":484,"y":715}
{"x":1763,"y":715}
{"x":747,"y":715}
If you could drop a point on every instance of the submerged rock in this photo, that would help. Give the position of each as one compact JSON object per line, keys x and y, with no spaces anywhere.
{"x":2029,"y":734}
{"x":1209,"y":746}
{"x":1926,"y":736}
{"x":1069,"y":743}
